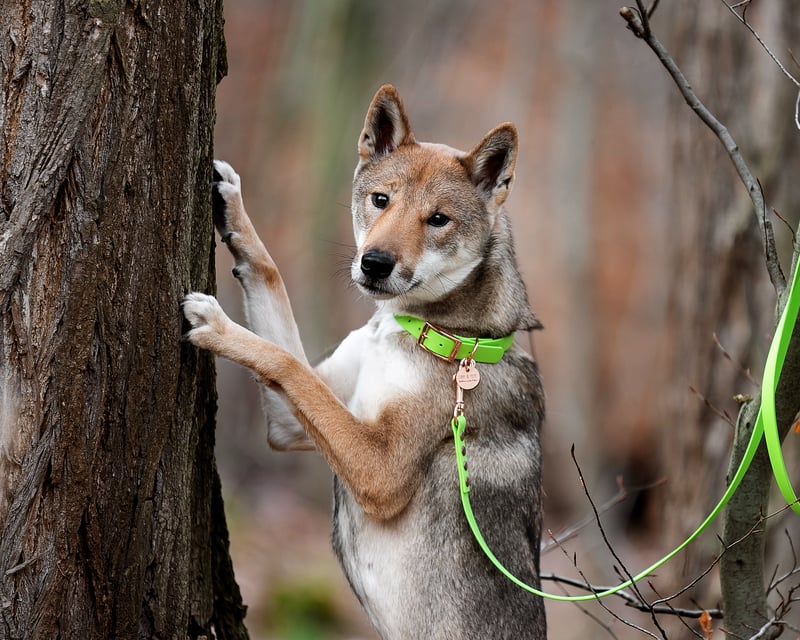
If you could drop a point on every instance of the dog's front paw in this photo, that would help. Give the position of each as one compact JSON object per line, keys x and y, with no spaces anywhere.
{"x":232,"y":223}
{"x":223,"y":172}
{"x":208,"y":321}
{"x":226,"y":199}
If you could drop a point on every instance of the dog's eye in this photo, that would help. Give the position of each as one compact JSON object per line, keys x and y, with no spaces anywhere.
{"x":380,"y":200}
{"x":438,"y":219}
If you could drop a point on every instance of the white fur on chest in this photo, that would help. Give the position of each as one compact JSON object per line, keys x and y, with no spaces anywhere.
{"x":368,"y":369}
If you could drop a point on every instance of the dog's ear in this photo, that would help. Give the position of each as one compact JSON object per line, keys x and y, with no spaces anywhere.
{"x":491,"y":163}
{"x":385,"y":127}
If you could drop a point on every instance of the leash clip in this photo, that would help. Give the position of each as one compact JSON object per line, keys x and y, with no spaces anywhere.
{"x":458,"y":409}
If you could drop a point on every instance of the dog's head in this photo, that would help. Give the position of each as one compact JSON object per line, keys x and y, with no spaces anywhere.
{"x":423,"y":214}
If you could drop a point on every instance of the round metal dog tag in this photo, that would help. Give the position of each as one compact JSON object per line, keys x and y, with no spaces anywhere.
{"x":468,"y":377}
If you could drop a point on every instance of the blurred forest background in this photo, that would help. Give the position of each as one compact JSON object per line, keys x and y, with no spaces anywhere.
{"x":636,"y":241}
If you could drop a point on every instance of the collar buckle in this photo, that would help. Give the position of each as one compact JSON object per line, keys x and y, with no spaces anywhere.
{"x":423,"y":335}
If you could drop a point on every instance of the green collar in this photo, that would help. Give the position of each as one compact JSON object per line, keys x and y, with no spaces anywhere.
{"x":451,"y":347}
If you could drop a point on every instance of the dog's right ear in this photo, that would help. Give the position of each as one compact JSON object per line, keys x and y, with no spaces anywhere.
{"x":491,"y":163}
{"x":385,"y":127}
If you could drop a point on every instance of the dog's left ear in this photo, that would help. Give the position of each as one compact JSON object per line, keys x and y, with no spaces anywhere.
{"x":491,"y":163}
{"x":385,"y":127}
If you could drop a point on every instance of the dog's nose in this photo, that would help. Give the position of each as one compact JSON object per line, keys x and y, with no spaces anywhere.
{"x":377,"y":264}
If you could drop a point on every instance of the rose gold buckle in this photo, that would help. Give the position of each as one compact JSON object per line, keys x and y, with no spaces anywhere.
{"x":424,"y":334}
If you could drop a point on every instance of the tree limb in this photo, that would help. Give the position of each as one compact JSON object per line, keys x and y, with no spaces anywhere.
{"x":639,"y":23}
{"x":632,"y":600}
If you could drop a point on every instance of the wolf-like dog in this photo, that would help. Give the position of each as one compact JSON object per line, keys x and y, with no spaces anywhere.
{"x":433,"y":243}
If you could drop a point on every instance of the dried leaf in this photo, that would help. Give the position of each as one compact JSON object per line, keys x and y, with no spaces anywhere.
{"x":706,"y":625}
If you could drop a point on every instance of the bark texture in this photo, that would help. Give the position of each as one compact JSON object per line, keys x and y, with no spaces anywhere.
{"x":111,"y":520}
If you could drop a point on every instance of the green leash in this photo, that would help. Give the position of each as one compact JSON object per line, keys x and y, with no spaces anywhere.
{"x":459,"y":424}
{"x":767,"y":421}
{"x":765,"y":426}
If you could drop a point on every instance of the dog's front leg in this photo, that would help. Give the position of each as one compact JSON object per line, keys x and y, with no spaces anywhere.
{"x":266,"y":303}
{"x":380,"y":461}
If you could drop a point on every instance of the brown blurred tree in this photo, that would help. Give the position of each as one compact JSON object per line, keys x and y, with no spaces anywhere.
{"x":720,"y":288}
{"x":111,"y":519}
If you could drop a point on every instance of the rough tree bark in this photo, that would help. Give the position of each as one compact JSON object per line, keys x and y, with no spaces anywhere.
{"x":111,"y":520}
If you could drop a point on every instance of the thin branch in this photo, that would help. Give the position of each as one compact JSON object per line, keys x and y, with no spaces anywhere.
{"x":588,"y":586}
{"x":775,"y":580}
{"x":670,"y":607}
{"x":631,"y":600}
{"x":770,"y":250}
{"x":593,"y":617}
{"x":743,"y":19}
{"x":662,"y":605}
{"x":791,"y":546}
{"x":639,"y":24}
{"x":797,"y":111}
{"x":786,"y":222}
{"x":756,"y":528}
{"x":619,"y":497}
{"x":607,"y":542}
{"x":722,"y":414}
{"x":762,"y":632}
{"x":743,"y":370}
{"x":649,"y":13}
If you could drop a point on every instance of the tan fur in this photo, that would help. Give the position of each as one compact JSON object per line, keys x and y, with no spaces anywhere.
{"x":248,"y":248}
{"x":378,"y":459}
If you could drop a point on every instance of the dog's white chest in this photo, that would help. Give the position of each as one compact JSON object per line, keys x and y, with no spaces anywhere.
{"x":369,"y":369}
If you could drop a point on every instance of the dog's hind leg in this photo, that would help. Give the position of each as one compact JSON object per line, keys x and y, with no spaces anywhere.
{"x":266,"y":303}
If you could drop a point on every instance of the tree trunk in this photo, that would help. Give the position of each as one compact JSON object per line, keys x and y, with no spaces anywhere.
{"x":111,"y":519}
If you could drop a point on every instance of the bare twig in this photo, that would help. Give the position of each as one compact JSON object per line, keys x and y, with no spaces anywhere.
{"x":639,"y":24}
{"x":674,"y":612}
{"x":743,"y":370}
{"x":588,"y":586}
{"x":786,"y":224}
{"x":661,"y":605}
{"x":770,"y":250}
{"x":619,"y":497}
{"x":608,"y":544}
{"x":652,"y":9}
{"x":743,"y":19}
{"x":762,"y":632}
{"x":722,"y":414}
{"x":755,"y":528}
{"x":593,"y":617}
{"x":776,"y":580}
{"x":631,"y":600}
{"x":791,"y":546}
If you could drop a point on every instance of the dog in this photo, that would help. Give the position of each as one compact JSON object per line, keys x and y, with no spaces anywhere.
{"x":434,"y":249}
